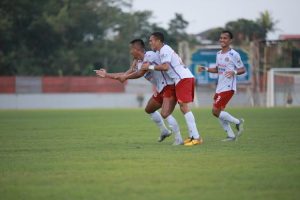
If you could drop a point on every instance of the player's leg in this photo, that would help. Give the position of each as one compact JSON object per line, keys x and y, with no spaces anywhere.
{"x":227,"y":128}
{"x":152,"y":106}
{"x":220,"y":102}
{"x":185,"y":95}
{"x":169,"y":103}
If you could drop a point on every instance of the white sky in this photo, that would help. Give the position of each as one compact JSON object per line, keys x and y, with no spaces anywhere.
{"x":206,"y":14}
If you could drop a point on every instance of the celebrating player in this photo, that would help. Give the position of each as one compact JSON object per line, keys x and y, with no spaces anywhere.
{"x":228,"y":66}
{"x":164,"y":98}
{"x":184,"y":82}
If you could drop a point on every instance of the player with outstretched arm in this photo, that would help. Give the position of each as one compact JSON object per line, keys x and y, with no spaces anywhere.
{"x":228,"y":66}
{"x":163,"y":98}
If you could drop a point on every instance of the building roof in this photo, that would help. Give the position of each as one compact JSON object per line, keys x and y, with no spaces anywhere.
{"x":290,"y":37}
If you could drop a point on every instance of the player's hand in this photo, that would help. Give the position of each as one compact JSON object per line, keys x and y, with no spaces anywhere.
{"x":229,"y":74}
{"x":122,"y":78}
{"x":101,"y":72}
{"x":134,"y":63}
{"x":145,"y":66}
{"x":201,"y":69}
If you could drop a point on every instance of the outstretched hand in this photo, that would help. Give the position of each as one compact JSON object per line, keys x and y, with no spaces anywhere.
{"x":101,"y":73}
{"x":122,"y":78}
{"x":201,"y":69}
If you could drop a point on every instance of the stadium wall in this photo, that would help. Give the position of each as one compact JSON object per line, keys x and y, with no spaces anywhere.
{"x":91,"y":92}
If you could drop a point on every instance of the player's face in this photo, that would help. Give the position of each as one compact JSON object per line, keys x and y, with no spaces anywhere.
{"x":134,"y":51}
{"x":224,"y":40}
{"x":153,"y":42}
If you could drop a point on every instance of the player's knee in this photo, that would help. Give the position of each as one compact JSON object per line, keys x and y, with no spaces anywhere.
{"x":164,"y":114}
{"x":184,"y":108}
{"x":215,"y":112}
{"x":148,"y":111}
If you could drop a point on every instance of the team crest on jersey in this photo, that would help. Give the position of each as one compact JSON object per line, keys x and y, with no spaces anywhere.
{"x":227,"y":59}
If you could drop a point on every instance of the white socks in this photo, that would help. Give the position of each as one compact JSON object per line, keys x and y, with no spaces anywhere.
{"x":191,"y":124}
{"x":226,"y":126}
{"x":174,"y":126}
{"x":157,"y":118}
{"x":229,"y":118}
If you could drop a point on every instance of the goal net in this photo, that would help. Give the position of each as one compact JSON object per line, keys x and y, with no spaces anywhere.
{"x":283,"y":87}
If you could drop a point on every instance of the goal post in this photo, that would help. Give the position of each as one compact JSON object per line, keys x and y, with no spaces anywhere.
{"x":283,"y":87}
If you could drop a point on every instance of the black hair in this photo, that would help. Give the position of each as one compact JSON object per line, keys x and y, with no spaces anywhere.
{"x":229,"y":33}
{"x":159,"y":35}
{"x":138,"y":42}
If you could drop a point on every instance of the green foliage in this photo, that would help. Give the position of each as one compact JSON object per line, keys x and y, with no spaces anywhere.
{"x":213,"y":34}
{"x":245,"y":30}
{"x":113,"y":155}
{"x":54,"y":37}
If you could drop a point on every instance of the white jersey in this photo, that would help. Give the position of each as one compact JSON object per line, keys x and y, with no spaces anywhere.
{"x":228,"y":61}
{"x":177,"y":70}
{"x":159,"y":79}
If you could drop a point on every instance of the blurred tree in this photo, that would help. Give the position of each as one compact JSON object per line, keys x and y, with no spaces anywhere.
{"x":244,"y":30}
{"x":65,"y":37}
{"x":213,"y":34}
{"x":266,"y":22}
{"x":177,"y":31}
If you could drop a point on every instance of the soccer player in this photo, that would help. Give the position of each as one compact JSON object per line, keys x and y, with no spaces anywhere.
{"x":172,"y":64}
{"x":228,"y":66}
{"x":164,"y":98}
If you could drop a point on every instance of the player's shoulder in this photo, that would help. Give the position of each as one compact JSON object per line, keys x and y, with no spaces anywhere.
{"x":149,"y":54}
{"x":166,"y":48}
{"x":233,"y":52}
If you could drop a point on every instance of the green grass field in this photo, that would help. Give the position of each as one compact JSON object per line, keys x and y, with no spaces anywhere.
{"x":113,"y":154}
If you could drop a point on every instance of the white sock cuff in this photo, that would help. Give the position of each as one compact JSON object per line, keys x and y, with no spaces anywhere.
{"x":170,"y":118}
{"x":189,"y":116}
{"x":155,"y":116}
{"x":227,"y":117}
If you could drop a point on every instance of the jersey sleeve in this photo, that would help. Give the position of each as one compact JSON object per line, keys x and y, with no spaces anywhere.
{"x":165,"y":55}
{"x":147,"y":58}
{"x":237,"y":61}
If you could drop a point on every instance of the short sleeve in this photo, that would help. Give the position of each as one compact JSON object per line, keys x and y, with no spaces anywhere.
{"x":237,"y":61}
{"x":165,"y":55}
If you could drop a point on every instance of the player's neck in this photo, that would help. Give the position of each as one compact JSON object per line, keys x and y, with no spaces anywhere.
{"x":225,"y":49}
{"x":160,"y":46}
{"x":141,"y":56}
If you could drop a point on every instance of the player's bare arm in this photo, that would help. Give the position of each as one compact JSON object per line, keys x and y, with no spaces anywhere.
{"x":103,"y":74}
{"x":133,"y":75}
{"x":162,"y":67}
{"x":132,"y":68}
{"x":209,"y":69}
{"x":238,"y":71}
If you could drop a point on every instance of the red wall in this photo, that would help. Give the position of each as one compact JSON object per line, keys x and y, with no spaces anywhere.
{"x":7,"y":84}
{"x":80,"y":84}
{"x":51,"y":84}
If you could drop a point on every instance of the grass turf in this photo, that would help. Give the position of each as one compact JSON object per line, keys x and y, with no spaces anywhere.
{"x":113,"y":154}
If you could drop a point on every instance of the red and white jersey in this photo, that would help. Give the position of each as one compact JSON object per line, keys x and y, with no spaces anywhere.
{"x":228,"y":61}
{"x":177,"y":70}
{"x":159,"y":79}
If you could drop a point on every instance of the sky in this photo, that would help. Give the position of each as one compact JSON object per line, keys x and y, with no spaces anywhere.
{"x":206,"y":14}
